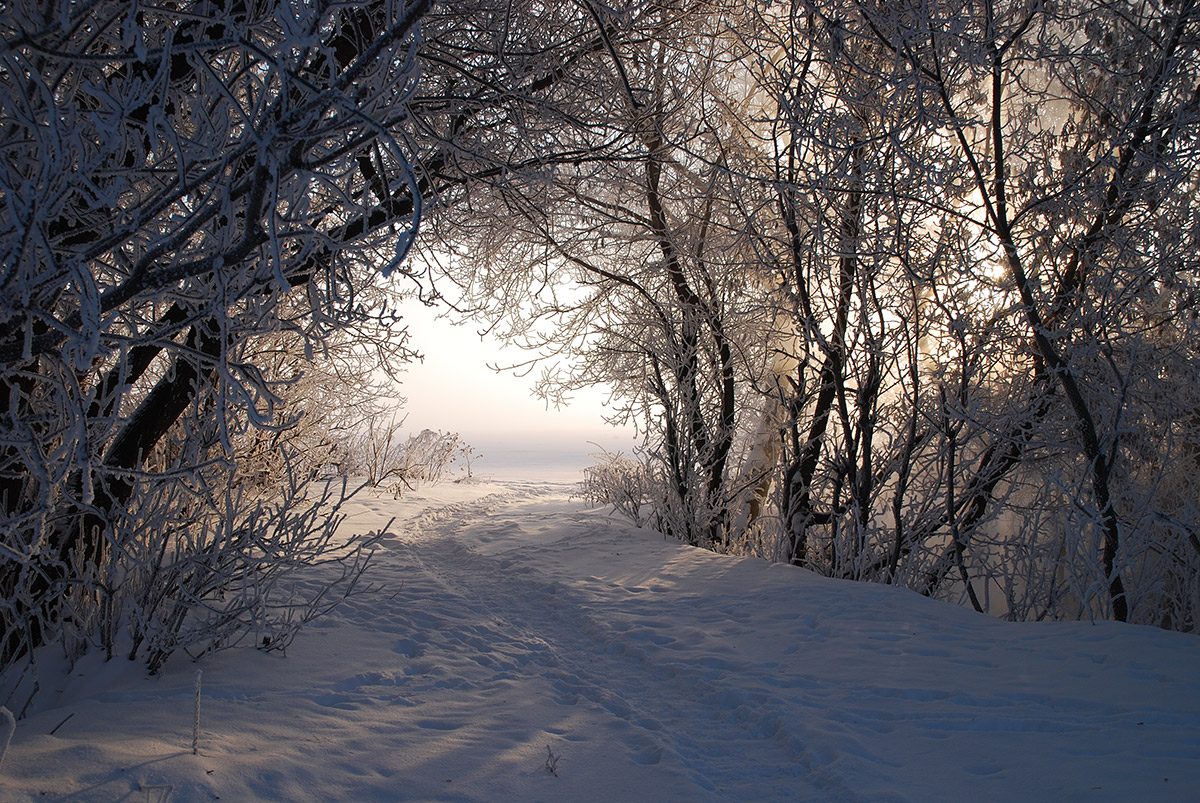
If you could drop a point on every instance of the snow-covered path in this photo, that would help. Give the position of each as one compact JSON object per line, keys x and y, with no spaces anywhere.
{"x":598,"y":646}
{"x":516,"y":632}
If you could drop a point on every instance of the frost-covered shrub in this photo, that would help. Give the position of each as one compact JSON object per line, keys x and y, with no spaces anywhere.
{"x":379,"y":451}
{"x":239,"y":570}
{"x":618,"y":481}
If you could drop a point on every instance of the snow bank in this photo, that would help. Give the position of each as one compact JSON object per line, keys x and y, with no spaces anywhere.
{"x":518,"y":646}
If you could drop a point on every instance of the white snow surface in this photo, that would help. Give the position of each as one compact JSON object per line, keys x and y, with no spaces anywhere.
{"x":516,"y":632}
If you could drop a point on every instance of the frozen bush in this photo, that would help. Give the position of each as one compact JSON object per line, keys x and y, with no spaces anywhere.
{"x":620,"y":482}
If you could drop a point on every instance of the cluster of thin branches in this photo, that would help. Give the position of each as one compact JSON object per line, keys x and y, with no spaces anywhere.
{"x":903,"y":293}
{"x":379,"y":451}
{"x":198,"y":200}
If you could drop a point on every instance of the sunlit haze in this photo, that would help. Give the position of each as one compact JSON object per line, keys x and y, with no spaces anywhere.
{"x":455,"y":390}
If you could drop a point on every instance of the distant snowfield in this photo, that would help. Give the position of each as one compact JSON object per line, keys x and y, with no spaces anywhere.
{"x":517,"y":632}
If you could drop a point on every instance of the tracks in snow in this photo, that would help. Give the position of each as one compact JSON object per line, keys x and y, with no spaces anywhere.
{"x":599,"y":646}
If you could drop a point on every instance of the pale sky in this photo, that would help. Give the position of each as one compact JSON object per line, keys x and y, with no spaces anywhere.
{"x":454,"y":390}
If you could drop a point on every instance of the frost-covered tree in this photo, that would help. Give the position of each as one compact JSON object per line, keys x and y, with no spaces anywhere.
{"x":187,"y":189}
{"x":610,"y":253}
{"x":978,"y":275}
{"x":900,"y":292}
{"x":1068,"y":135}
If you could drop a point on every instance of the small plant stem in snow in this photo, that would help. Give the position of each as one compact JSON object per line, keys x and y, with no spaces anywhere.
{"x":8,"y":726}
{"x":66,"y":719}
{"x":196,"y":717}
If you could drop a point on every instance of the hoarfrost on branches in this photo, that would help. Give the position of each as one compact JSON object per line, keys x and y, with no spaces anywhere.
{"x":197,"y":199}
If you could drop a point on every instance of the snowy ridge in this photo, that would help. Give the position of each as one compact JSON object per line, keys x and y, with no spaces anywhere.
{"x":523,"y":647}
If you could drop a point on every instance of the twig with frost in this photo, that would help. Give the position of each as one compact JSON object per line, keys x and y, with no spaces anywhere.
{"x":8,"y":726}
{"x":163,"y":793}
{"x":551,"y":765}
{"x":196,"y":717}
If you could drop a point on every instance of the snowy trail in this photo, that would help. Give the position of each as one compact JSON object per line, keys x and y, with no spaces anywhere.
{"x":741,"y":752}
{"x":522,"y":647}
{"x":768,"y":683}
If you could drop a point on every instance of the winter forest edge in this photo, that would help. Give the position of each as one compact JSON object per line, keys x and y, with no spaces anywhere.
{"x":901,"y":293}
